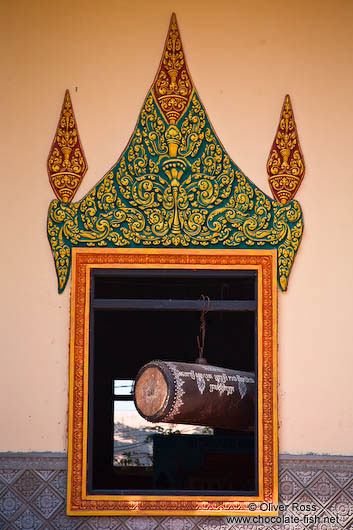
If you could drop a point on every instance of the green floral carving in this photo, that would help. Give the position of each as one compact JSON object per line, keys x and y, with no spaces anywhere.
{"x":175,"y":186}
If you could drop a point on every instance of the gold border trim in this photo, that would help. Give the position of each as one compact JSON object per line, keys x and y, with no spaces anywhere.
{"x":265,"y":262}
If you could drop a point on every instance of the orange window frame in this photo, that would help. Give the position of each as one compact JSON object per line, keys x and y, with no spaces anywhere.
{"x":79,"y":502}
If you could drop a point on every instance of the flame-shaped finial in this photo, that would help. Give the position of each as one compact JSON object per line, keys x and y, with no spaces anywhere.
{"x":67,"y":164}
{"x":173,"y":86}
{"x":285,"y":165}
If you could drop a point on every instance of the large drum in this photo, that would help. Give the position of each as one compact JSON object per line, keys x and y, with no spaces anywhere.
{"x":196,"y":394}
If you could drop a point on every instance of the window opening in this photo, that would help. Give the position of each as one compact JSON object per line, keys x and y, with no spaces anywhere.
{"x":127,"y":454}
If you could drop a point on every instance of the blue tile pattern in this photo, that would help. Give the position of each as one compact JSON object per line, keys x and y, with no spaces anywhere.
{"x":28,"y":520}
{"x":2,"y":523}
{"x":27,"y":484}
{"x":47,"y":502}
{"x":59,"y":482}
{"x":2,"y":486}
{"x":9,"y":475}
{"x":10,"y":504}
{"x":33,"y":491}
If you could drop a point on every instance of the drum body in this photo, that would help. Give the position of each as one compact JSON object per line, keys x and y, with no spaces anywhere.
{"x":196,"y":394}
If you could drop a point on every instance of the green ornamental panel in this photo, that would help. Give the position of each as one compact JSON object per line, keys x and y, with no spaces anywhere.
{"x":174,"y":186}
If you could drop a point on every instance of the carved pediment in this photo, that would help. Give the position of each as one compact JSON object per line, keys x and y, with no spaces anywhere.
{"x":174,"y":186}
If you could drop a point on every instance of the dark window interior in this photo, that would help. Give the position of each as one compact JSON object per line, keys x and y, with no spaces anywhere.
{"x":140,"y":315}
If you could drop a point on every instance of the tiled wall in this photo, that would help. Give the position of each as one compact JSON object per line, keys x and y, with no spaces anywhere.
{"x":33,"y":489}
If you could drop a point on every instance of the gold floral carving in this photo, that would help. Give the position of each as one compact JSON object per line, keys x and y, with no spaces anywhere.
{"x":175,"y":186}
{"x":66,"y":162}
{"x":173,"y":86}
{"x":285,"y":166}
{"x":78,"y":501}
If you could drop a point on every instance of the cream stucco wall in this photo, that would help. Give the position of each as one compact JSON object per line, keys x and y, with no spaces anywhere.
{"x":244,"y":56}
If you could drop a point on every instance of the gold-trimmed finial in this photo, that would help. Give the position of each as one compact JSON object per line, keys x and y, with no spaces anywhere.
{"x":285,"y":165}
{"x":173,"y":86}
{"x":67,"y":164}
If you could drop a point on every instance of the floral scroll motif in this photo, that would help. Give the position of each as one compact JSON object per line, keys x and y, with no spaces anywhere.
{"x":285,"y":166}
{"x":175,"y":186}
{"x":66,"y":162}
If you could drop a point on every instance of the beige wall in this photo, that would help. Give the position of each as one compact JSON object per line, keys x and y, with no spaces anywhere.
{"x":244,"y":56}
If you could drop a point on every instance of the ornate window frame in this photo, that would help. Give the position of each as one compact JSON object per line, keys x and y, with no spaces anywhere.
{"x":79,"y":502}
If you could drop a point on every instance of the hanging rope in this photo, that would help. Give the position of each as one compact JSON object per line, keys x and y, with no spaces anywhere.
{"x":201,"y":339}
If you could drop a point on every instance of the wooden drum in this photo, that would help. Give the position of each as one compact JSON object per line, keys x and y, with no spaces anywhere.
{"x":196,"y":394}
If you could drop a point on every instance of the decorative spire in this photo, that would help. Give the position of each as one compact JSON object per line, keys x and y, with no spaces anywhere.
{"x":173,"y":86}
{"x":67,"y":164}
{"x":285,"y":165}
